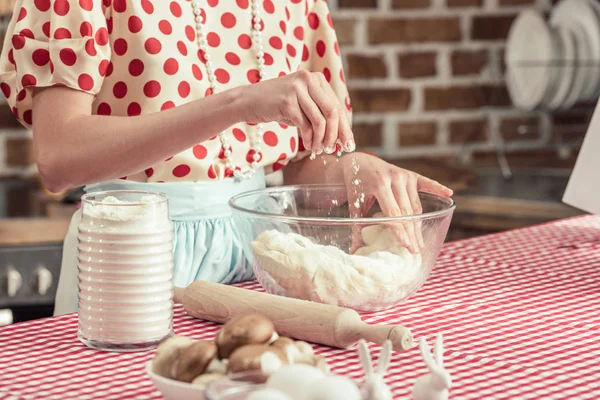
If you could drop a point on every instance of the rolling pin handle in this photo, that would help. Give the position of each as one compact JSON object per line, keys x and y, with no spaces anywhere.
{"x":401,"y":338}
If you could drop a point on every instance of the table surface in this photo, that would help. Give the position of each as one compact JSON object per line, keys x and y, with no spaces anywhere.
{"x":518,"y":310}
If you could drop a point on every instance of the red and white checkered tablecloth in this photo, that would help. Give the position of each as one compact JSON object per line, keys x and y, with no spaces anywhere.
{"x":519,"y":312}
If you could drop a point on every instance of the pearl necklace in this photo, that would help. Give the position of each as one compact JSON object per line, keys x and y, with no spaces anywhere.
{"x":256,"y":139}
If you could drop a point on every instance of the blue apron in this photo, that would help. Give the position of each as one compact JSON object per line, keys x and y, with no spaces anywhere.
{"x":206,"y":244}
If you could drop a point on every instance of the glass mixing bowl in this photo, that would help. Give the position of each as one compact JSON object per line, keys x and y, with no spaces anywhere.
{"x":303,"y":243}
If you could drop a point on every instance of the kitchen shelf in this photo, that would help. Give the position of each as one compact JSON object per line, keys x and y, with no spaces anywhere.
{"x":6,"y":7}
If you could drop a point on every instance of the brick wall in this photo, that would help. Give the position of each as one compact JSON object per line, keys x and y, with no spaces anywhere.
{"x":426,"y":80}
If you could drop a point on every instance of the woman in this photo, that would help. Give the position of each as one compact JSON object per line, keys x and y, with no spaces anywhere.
{"x":199,"y":99}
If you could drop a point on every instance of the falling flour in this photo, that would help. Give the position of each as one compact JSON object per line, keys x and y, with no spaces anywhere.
{"x":375,"y":277}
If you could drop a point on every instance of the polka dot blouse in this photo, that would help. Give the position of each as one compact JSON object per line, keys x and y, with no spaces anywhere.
{"x":141,"y":56}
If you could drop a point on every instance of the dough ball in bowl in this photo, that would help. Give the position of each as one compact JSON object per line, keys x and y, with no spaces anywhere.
{"x":303,"y":243}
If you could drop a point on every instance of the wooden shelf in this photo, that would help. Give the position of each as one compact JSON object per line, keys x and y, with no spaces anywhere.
{"x":6,"y":7}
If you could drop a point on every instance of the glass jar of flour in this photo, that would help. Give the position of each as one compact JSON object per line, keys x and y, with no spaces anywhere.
{"x":125,"y":269}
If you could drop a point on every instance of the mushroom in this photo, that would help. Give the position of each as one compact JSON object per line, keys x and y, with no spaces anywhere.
{"x":167,"y":355}
{"x":204,"y":379}
{"x":244,"y":330}
{"x":288,"y":347}
{"x":195,"y":360}
{"x":256,"y":357}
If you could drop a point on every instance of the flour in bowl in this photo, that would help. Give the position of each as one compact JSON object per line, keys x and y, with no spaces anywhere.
{"x":375,"y":277}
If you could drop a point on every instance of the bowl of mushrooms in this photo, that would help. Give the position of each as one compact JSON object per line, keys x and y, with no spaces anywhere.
{"x":246,"y":346}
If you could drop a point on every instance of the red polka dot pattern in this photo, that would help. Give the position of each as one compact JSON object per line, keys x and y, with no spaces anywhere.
{"x":171,"y":66}
{"x":181,"y":170}
{"x":184,"y":89}
{"x":165,"y":27}
{"x":41,"y":57}
{"x":68,"y":57}
{"x":86,"y":29}
{"x":175,"y":9}
{"x":167,"y":105}
{"x":61,"y":7}
{"x":228,"y":20}
{"x":62,"y":33}
{"x":22,"y":14}
{"x":134,"y":109}
{"x":200,"y":152}
{"x":86,"y":82}
{"x":233,"y":58}
{"x":148,"y":51}
{"x":152,"y":89}
{"x":321,"y":48}
{"x":270,"y":138}
{"x":135,"y":24}
{"x":153,"y":46}
{"x":313,"y":20}
{"x":104,"y":109}
{"x":120,"y":47}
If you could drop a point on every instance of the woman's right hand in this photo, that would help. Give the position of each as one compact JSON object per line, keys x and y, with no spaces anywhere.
{"x":305,"y":100}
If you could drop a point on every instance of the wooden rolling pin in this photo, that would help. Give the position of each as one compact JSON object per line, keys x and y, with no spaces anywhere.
{"x":303,"y":320}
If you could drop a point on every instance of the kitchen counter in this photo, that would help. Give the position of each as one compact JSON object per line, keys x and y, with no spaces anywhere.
{"x":518,"y":310}
{"x":32,"y":231}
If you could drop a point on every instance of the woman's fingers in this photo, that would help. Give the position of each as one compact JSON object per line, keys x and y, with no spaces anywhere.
{"x":389,"y":207}
{"x":403,"y":200}
{"x":345,"y":137}
{"x":355,"y":212}
{"x":316,"y":118}
{"x":417,"y":207}
{"x":329,"y":110}
{"x":429,"y":185}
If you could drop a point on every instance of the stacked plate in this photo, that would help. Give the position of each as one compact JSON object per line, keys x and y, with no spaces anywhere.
{"x":555,"y":64}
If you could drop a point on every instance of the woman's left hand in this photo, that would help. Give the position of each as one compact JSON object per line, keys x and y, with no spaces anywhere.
{"x":369,"y":178}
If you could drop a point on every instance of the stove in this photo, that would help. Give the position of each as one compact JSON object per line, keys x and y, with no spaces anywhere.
{"x":28,"y":281}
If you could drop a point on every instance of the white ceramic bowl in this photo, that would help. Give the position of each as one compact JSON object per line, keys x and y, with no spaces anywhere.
{"x":174,"y":390}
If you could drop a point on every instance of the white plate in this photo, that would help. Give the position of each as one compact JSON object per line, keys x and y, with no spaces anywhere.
{"x":528,"y":55}
{"x":555,"y":66}
{"x":570,"y":13}
{"x":172,"y":389}
{"x":596,"y":7}
{"x":566,"y":69}
{"x":581,"y":69}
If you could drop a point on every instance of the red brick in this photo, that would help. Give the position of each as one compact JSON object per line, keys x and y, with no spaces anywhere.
{"x":491,"y":27}
{"x":468,"y":131}
{"x":19,"y":152}
{"x":520,"y":128}
{"x":364,"y":66}
{"x":417,"y":65}
{"x":469,"y":62}
{"x":414,"y":30}
{"x":465,"y":97}
{"x":422,"y":133}
{"x":411,"y":3}
{"x":465,"y":3}
{"x":516,"y":2}
{"x":7,"y":118}
{"x":357,"y":3}
{"x":344,"y":29}
{"x":368,"y":134}
{"x":380,"y":100}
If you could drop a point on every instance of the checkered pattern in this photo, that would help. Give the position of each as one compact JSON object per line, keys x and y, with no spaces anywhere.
{"x":519,"y":313}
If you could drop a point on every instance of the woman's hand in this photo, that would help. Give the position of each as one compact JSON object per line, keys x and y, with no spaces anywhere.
{"x":369,"y":178}
{"x":304,"y":100}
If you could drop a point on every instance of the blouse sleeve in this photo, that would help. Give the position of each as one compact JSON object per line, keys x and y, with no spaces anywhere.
{"x":322,"y":54}
{"x":53,"y":43}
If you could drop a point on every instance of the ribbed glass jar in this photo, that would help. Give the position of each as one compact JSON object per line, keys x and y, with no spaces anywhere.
{"x":125,"y":270}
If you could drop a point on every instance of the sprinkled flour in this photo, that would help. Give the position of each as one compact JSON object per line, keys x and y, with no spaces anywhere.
{"x":371,"y":279}
{"x":106,"y":209}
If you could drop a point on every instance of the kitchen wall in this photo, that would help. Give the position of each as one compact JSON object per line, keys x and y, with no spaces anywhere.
{"x":426,"y":79}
